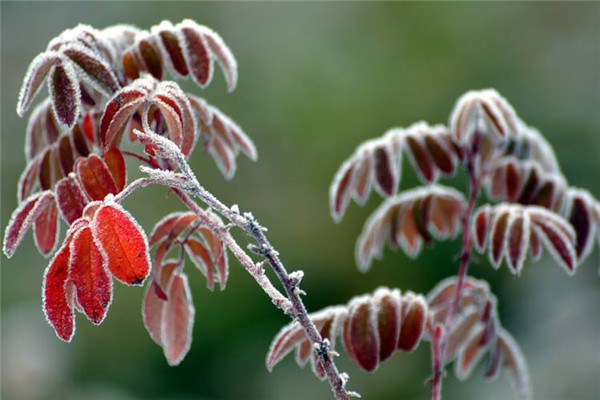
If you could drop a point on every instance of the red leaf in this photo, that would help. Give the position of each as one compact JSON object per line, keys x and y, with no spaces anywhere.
{"x":151,"y":57}
{"x":94,"y":175}
{"x":152,"y":309}
{"x":87,"y":270}
{"x":385,"y":176}
{"x":517,"y":242}
{"x":116,"y":164}
{"x":441,"y":155}
{"x":171,"y":226}
{"x":65,"y":154}
{"x":197,"y":55}
{"x":170,"y":42}
{"x":155,"y":298}
{"x":177,"y":320}
{"x":124,"y":242}
{"x":219,"y":254}
{"x":421,"y":159}
{"x":22,"y":219}
{"x":45,"y":228}
{"x":414,"y":314}
{"x":58,"y":303}
{"x":202,"y":259}
{"x":29,"y":178}
{"x":388,"y":306}
{"x":117,"y":112}
{"x":470,"y":355}
{"x":99,"y":72}
{"x":580,"y":217}
{"x":498,"y":234}
{"x":64,"y":90}
{"x":340,"y":190}
{"x":363,"y":336}
{"x":481,"y":227}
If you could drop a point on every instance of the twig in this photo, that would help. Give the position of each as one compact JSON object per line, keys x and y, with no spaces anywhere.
{"x":185,"y":183}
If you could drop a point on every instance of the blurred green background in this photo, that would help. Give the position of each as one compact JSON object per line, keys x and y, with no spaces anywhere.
{"x":316,"y":79}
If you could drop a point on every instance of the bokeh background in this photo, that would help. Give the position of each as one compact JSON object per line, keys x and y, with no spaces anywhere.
{"x":316,"y":79}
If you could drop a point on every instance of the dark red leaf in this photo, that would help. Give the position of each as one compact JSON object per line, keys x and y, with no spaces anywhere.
{"x":363,"y":336}
{"x":389,"y":313}
{"x":421,"y":159}
{"x":45,"y":228}
{"x":197,"y":56}
{"x":64,"y":90}
{"x":171,"y":44}
{"x":65,"y":154}
{"x":414,"y":315}
{"x":151,"y":57}
{"x":94,"y":67}
{"x":70,"y":198}
{"x":384,"y":171}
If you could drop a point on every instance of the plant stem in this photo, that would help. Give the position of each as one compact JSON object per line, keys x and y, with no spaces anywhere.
{"x":436,"y":390}
{"x":247,"y":222}
{"x":439,"y":340}
{"x":297,"y":309}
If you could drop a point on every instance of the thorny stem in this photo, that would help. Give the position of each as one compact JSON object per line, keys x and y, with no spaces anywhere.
{"x":439,"y":340}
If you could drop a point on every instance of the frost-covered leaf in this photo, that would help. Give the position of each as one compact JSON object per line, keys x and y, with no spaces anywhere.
{"x":177,"y":320}
{"x":45,"y":228}
{"x":93,"y":67}
{"x":581,"y":217}
{"x":388,"y":306}
{"x":409,"y":220}
{"x":292,"y":335}
{"x":483,"y":110}
{"x":414,"y":315}
{"x":515,"y":228}
{"x":36,"y":73}
{"x":116,"y":165}
{"x":57,"y":300}
{"x":22,"y":219}
{"x":171,"y":226}
{"x":70,"y":198}
{"x":519,"y":374}
{"x":29,"y":179}
{"x":196,"y":53}
{"x":119,"y":110}
{"x":87,"y":271}
{"x":361,"y":333}
{"x":64,"y":91}
{"x":153,"y":303}
{"x":124,"y":243}
{"x":377,"y":163}
{"x":95,"y":177}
